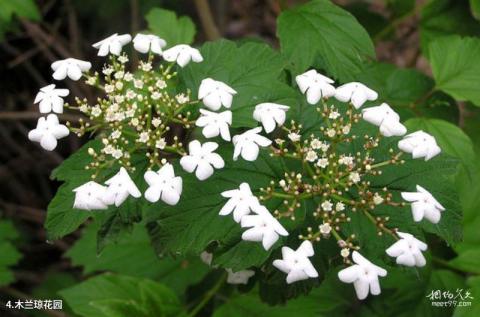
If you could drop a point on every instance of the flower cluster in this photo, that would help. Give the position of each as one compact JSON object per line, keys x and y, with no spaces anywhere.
{"x":336,"y":180}
{"x":137,"y":113}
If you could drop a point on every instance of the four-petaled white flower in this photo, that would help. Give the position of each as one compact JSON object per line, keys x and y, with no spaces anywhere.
{"x":148,"y":42}
{"x":424,"y":205}
{"x":269,"y":113}
{"x":90,"y":196}
{"x":296,"y":263}
{"x":364,"y":276}
{"x":48,"y":131}
{"x":182,"y":54}
{"x":247,"y":144}
{"x":386,"y":118}
{"x":263,"y":227}
{"x":240,"y":277}
{"x":215,"y":124}
{"x":315,"y":86}
{"x":408,"y":250}
{"x":241,"y":202}
{"x":356,"y":93}
{"x":112,"y":44}
{"x":71,"y":67}
{"x":163,"y":185}
{"x":419,"y":144}
{"x":50,"y":99}
{"x":202,"y":158}
{"x":120,"y":186}
{"x":215,"y":94}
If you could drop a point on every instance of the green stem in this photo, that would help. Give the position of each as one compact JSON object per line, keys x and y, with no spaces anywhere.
{"x":208,"y":296}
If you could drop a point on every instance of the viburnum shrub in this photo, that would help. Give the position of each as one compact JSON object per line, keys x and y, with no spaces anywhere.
{"x":313,"y":179}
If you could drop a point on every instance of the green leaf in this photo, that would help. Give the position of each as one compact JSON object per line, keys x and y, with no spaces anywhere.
{"x":63,"y":219}
{"x":173,"y":30}
{"x":455,"y":67}
{"x":404,"y":293}
{"x":408,"y":91}
{"x":117,"y":257}
{"x":438,"y":177}
{"x":19,"y":8}
{"x":441,"y":18}
{"x":475,"y":8}
{"x":249,"y":304}
{"x":468,"y":261}
{"x":323,"y":35}
{"x":9,"y":256}
{"x":111,"y":295}
{"x":252,"y":69}
{"x":194,"y":223}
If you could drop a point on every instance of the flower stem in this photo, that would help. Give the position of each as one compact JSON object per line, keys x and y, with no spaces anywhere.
{"x":208,"y":296}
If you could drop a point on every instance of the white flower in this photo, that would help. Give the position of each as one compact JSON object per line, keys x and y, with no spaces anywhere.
{"x":156,"y":122}
{"x":424,"y":205}
{"x":354,"y":177}
{"x":334,"y":115}
{"x":215,"y":94}
{"x":325,"y":229}
{"x":270,"y":113}
{"x":296,"y":263}
{"x":247,"y":144}
{"x":215,"y":124}
{"x":89,"y":196}
{"x":315,"y":86}
{"x":144,"y":137}
{"x":123,"y":59}
{"x":146,"y":67}
{"x":182,"y":98}
{"x":323,"y":162}
{"x":163,"y":185}
{"x":160,"y":144}
{"x":316,"y":144}
{"x":240,"y":277}
{"x":71,"y":67}
{"x":408,"y":250}
{"x":206,"y":257}
{"x":138,"y":83}
{"x":117,"y":153}
{"x":356,"y":93}
{"x":339,"y":206}
{"x":345,"y":252}
{"x":377,"y":199}
{"x":420,"y":144}
{"x":48,"y":131}
{"x":147,"y":42}
{"x":241,"y":202}
{"x":182,"y":54}
{"x":202,"y":158}
{"x":364,"y":276}
{"x":161,"y":84}
{"x":386,"y":118}
{"x":346,"y":160}
{"x":119,"y":188}
{"x":294,"y":137}
{"x":311,"y":156}
{"x":263,"y":227}
{"x":50,"y":99}
{"x":327,"y":205}
{"x":331,"y":132}
{"x":112,"y":44}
